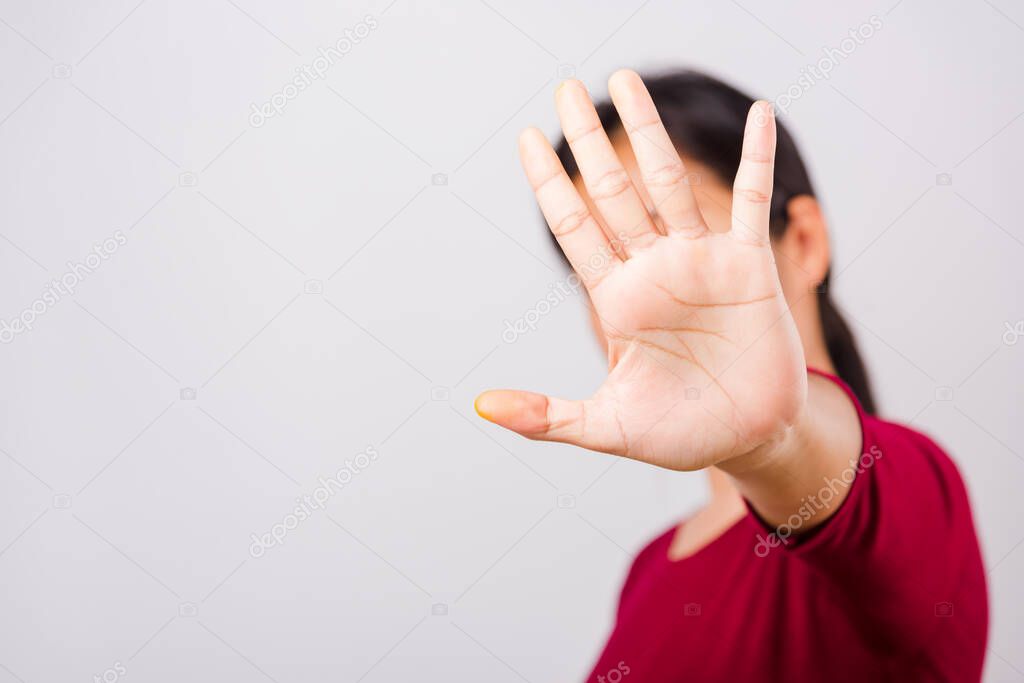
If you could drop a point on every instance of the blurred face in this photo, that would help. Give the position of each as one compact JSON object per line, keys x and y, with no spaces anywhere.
{"x":801,"y":254}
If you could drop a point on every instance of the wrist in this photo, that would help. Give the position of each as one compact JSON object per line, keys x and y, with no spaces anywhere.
{"x":772,"y":453}
{"x":775,"y":476}
{"x":781,"y":432}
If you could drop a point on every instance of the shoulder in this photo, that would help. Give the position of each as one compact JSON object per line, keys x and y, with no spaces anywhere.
{"x":652,"y":555}
{"x":908,"y":451}
{"x":900,"y":459}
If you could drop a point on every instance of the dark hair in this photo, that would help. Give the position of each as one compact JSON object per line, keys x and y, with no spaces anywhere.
{"x":705,"y":117}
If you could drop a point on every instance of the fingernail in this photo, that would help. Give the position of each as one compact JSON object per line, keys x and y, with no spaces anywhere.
{"x":480,"y":409}
{"x":571,"y":80}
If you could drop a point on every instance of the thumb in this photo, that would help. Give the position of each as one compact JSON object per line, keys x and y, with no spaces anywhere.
{"x":545,"y":418}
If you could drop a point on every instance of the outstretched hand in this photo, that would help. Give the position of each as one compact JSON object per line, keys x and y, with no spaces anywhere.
{"x":704,"y":359}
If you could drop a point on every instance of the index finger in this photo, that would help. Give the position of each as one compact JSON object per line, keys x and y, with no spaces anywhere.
{"x":578,"y":233}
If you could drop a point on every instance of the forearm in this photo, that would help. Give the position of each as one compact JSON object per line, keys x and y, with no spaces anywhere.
{"x":785,"y":476}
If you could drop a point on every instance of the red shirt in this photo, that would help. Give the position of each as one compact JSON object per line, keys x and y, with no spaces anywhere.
{"x":890,"y":588}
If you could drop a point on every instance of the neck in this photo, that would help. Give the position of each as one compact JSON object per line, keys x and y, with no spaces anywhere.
{"x":816,"y":356}
{"x":807,"y":315}
{"x":724,"y":494}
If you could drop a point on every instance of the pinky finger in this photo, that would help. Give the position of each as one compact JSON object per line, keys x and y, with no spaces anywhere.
{"x":752,"y":190}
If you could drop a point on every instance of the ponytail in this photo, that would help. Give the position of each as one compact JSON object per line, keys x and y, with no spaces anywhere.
{"x":842,"y":349}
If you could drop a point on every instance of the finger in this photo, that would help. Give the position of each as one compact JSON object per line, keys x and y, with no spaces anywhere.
{"x":546,"y":418}
{"x":579,"y":235}
{"x":661,"y":169}
{"x":752,"y":190}
{"x":607,"y":182}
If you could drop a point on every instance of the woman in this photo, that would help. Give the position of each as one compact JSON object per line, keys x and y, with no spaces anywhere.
{"x":835,"y":546}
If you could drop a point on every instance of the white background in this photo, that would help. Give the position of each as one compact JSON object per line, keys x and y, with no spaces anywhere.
{"x":126,"y":512}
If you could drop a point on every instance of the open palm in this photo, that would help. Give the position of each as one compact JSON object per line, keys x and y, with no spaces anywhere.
{"x":705,"y":362}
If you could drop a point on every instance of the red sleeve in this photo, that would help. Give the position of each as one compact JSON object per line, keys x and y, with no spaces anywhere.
{"x":901,"y":549}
